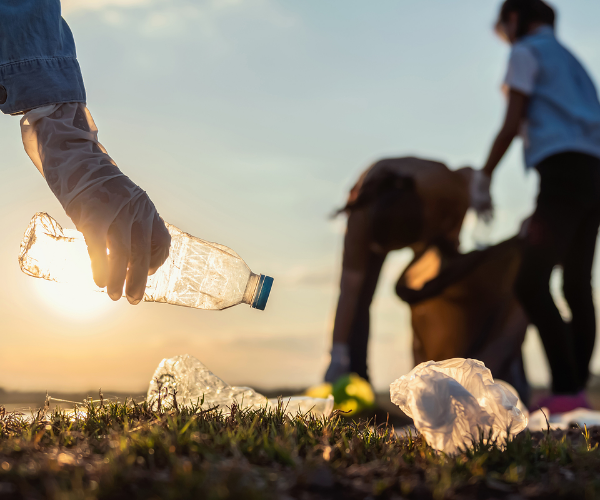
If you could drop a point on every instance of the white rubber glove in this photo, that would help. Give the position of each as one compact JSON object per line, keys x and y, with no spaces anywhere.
{"x":105,"y":205}
{"x":479,"y":192}
{"x":340,"y":362}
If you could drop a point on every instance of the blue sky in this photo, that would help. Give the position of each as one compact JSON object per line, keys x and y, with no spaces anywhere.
{"x":247,"y":121}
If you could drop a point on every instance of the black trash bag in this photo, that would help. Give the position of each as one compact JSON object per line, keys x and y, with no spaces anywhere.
{"x":463,"y":306}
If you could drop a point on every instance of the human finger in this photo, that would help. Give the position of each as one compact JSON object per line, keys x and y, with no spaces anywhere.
{"x":94,"y":230}
{"x":139,"y":262}
{"x":96,"y":245}
{"x":161,"y":243}
{"x":118,"y":259}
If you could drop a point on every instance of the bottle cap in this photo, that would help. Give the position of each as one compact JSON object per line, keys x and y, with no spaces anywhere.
{"x":263,"y":289}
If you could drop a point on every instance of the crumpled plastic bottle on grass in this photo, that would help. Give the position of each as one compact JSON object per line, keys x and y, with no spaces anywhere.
{"x":453,"y":402}
{"x":193,"y":383}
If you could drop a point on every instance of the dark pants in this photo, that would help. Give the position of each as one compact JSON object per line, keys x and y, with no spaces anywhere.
{"x":563,"y":231}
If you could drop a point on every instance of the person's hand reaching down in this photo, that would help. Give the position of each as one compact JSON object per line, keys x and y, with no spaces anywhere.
{"x":479,"y":191}
{"x":126,"y":238}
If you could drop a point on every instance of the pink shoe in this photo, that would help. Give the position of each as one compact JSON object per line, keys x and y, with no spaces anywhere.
{"x":563,"y":403}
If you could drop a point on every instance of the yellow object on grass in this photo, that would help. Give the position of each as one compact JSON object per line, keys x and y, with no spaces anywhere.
{"x":351,"y":393}
{"x":320,"y":391}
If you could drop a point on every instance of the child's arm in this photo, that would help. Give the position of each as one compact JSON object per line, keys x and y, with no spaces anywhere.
{"x":353,"y":301}
{"x":353,"y":273}
{"x":515,"y":113}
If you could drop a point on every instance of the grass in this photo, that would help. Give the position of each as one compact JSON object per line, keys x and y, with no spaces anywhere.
{"x":127,"y":451}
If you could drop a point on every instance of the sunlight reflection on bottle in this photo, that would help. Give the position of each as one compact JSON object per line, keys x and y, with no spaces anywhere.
{"x":64,"y":260}
{"x":197,"y":273}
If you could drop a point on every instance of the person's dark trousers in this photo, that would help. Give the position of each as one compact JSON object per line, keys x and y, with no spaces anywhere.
{"x":359,"y":333}
{"x":563,"y":231}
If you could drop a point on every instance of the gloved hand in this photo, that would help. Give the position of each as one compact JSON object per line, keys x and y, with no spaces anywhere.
{"x":106,"y":206}
{"x":340,"y":362}
{"x":479,"y":191}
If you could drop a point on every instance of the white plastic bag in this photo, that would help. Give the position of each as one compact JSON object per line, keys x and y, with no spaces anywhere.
{"x":192,"y":382}
{"x":540,"y":420}
{"x":452,"y":402}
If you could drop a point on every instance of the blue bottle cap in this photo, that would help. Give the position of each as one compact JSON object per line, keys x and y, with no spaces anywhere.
{"x":263,"y":290}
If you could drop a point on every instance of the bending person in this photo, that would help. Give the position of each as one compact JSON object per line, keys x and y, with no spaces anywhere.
{"x":40,"y":78}
{"x":553,"y":102}
{"x":397,"y":203}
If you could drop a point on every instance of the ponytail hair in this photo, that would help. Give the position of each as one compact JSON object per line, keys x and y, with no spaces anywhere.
{"x":529,"y":11}
{"x":386,"y":184}
{"x":394,"y":207}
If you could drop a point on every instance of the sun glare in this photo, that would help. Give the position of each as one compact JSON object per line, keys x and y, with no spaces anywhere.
{"x":71,"y":301}
{"x":61,"y":257}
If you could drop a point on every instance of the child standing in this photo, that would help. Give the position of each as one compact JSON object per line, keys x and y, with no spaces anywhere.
{"x":553,"y":104}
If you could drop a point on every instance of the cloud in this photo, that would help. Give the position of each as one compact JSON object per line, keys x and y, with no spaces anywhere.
{"x":69,"y":6}
{"x":170,"y":17}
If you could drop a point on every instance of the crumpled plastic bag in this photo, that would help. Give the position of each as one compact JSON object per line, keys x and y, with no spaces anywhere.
{"x":452,"y":402}
{"x":194,"y":383}
{"x":540,"y":420}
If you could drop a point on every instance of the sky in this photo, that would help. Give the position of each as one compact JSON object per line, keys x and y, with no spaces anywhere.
{"x":247,"y":121}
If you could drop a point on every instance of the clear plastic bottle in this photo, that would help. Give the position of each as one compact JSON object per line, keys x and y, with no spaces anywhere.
{"x":197,"y":273}
{"x":194,"y":383}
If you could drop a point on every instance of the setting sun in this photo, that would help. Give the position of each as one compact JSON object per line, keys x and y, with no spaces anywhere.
{"x":60,"y":256}
{"x":73,"y":302}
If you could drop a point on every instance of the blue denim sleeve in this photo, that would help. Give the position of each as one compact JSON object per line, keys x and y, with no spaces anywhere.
{"x":38,"y":63}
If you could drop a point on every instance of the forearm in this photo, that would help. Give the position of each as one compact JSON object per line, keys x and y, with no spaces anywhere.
{"x":350,"y":286}
{"x":345,"y":315}
{"x":40,"y":77}
{"x":515,"y":114}
{"x":499,"y":147}
{"x":62,"y":142}
{"x":354,"y":271}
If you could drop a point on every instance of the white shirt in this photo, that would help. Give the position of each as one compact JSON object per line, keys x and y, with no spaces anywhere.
{"x":522,"y":70}
{"x":563,"y":113}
